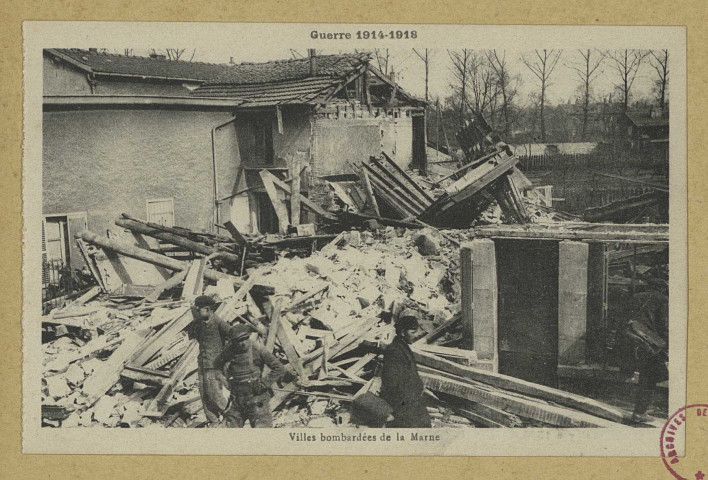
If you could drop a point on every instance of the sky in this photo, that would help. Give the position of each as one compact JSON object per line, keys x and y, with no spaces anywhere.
{"x":410,"y":71}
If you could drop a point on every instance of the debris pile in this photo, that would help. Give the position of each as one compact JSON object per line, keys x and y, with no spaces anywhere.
{"x":123,"y":359}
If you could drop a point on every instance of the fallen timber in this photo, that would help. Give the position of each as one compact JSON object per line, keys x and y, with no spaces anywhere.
{"x":156,"y":259}
{"x":546,"y":413}
{"x":145,"y":229}
{"x":517,"y":385}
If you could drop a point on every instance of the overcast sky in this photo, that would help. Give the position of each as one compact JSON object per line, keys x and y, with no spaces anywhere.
{"x":411,"y":71}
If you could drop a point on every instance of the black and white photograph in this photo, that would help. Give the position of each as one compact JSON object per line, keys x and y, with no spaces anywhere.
{"x":365,"y":229}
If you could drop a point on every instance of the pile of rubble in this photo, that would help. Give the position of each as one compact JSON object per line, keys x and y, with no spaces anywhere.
{"x":123,"y":359}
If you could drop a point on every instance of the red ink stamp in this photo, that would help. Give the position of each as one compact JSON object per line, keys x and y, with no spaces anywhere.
{"x":694,"y":465}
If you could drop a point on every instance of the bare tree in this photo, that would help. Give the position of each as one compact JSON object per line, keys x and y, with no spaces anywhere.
{"x":542,"y":66}
{"x":660,"y":62}
{"x":425,"y":57}
{"x":383,"y":58}
{"x":482,"y":85}
{"x":460,"y":69}
{"x":508,"y":85}
{"x":626,"y":64}
{"x":587,"y":67}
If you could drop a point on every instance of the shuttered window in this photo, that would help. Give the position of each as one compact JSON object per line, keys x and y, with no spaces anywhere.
{"x":161,"y":211}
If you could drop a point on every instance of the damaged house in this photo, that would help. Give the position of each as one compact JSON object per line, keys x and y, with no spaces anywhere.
{"x":184,"y":142}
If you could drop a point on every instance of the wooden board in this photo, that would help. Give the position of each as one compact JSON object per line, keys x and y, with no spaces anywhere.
{"x":281,"y":210}
{"x":194,"y":281}
{"x":523,"y":387}
{"x":109,"y":372}
{"x":545,"y":413}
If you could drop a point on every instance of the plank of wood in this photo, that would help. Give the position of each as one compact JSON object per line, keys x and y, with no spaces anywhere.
{"x":370,"y":197}
{"x":512,"y":384}
{"x":281,"y":210}
{"x":602,"y":232}
{"x":498,"y":416}
{"x":478,"y":419}
{"x":360,"y":364}
{"x":295,"y":191}
{"x":108,"y":373}
{"x":164,"y":337}
{"x":233,"y":231}
{"x":457,"y":355}
{"x":274,"y":322}
{"x":92,"y":266}
{"x":388,"y":186}
{"x":194,"y":281}
{"x":405,"y":175}
{"x":187,"y":364}
{"x":229,"y":309}
{"x":287,"y":340}
{"x":478,"y":184}
{"x":545,"y":413}
{"x":307,"y":297}
{"x":440,"y":330}
{"x":171,"y":354}
{"x":142,"y":377}
{"x":402,"y":183}
{"x":171,"y":282}
{"x":312,"y":206}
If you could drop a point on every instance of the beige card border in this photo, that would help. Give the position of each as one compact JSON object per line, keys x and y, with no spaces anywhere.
{"x":28,"y":466}
{"x":621,"y":440}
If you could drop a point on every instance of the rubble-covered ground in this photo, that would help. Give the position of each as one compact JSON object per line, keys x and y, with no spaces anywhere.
{"x":363,"y":278}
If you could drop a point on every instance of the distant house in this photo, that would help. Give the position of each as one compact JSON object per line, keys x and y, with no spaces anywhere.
{"x":646,"y":130}
{"x":569,"y":148}
{"x":181,"y":143}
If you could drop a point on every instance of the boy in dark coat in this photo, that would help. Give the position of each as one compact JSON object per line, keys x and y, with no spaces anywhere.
{"x":211,"y":334}
{"x":401,"y":385}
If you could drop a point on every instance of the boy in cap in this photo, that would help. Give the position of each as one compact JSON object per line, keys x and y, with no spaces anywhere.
{"x":211,"y":334}
{"x":401,"y":385}
{"x":243,"y":361}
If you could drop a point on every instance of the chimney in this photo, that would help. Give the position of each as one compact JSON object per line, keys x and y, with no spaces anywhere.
{"x":231,"y":60}
{"x":313,"y":62}
{"x":392,"y":75}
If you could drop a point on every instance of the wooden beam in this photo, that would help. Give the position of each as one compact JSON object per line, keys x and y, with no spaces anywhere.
{"x":512,"y":384}
{"x":295,"y":191}
{"x":187,"y":364}
{"x":274,"y":322}
{"x":233,"y":231}
{"x":171,"y":282}
{"x":145,"y":229}
{"x":280,"y":210}
{"x":287,"y":337}
{"x":528,"y":408}
{"x":161,"y":339}
{"x":312,"y":206}
{"x":109,"y":372}
{"x":370,"y":198}
{"x":441,"y":330}
{"x":151,"y":257}
{"x":580,"y":231}
{"x":194,"y":281}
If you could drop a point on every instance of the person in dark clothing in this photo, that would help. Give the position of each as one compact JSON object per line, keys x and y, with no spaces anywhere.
{"x":401,"y":385}
{"x":650,"y":321}
{"x":211,"y":333}
{"x":251,"y":392}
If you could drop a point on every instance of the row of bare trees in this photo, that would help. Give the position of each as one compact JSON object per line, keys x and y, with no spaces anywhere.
{"x":485,"y":83}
